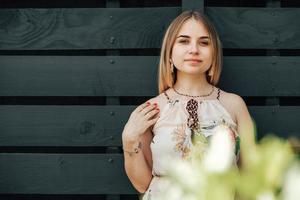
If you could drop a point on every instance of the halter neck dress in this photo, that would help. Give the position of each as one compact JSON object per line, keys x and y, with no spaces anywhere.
{"x":172,"y":137}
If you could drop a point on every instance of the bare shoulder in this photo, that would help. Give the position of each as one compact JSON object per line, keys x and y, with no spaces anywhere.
{"x":233,"y":103}
{"x":231,"y":97}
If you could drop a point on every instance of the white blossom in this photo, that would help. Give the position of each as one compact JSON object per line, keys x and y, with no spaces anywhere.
{"x":220,"y":152}
{"x":291,"y":185}
{"x":268,"y":195}
{"x":185,"y":173}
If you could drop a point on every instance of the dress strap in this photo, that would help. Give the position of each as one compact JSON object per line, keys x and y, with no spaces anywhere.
{"x":166,"y":95}
{"x":218,"y":94}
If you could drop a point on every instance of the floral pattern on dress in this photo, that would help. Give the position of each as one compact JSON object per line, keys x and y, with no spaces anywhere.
{"x":182,"y":136}
{"x":186,"y":138}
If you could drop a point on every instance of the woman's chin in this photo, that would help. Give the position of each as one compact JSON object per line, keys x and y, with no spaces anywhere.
{"x":192,"y":72}
{"x":193,"y":69}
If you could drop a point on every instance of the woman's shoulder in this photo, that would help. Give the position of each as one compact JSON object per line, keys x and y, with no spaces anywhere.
{"x":232,"y":102}
{"x":231,"y":97}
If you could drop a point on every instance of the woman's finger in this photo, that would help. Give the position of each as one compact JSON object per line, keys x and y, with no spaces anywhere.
{"x":148,"y":109}
{"x":151,"y":113}
{"x":152,"y":121}
{"x":142,"y":106}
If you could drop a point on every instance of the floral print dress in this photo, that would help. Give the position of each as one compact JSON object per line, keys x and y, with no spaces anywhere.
{"x":173,"y":135}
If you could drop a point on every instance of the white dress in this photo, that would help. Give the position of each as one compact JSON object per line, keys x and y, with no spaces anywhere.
{"x":172,"y":136}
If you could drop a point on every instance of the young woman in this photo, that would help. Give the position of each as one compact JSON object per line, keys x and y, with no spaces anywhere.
{"x":188,"y":102}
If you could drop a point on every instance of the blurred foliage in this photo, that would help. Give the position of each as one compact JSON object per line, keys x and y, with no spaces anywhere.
{"x":270,"y":170}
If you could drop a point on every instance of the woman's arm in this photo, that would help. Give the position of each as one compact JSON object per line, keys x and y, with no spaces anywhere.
{"x":138,"y":166}
{"x":245,"y":126}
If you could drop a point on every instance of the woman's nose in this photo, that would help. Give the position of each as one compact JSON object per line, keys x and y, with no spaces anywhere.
{"x":193,"y":48}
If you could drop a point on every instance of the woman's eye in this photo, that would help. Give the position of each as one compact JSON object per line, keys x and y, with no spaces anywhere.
{"x":205,"y":43}
{"x":186,"y":41}
{"x":183,"y":41}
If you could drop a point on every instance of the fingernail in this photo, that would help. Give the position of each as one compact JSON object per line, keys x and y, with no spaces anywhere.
{"x":155,"y":104}
{"x":148,"y":103}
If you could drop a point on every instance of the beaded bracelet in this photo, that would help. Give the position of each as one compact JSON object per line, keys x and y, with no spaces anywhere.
{"x":135,"y":150}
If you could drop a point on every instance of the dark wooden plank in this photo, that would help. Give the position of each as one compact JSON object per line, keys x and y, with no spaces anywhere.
{"x":63,"y":174}
{"x":77,"y":76}
{"x":272,"y":101}
{"x":118,"y":28}
{"x":115,"y":76}
{"x":112,"y":3}
{"x":257,"y":28}
{"x":84,"y":28}
{"x":71,"y":126}
{"x":112,"y":100}
{"x":273,"y":3}
{"x":261,"y":76}
{"x":192,"y":5}
{"x":62,"y":125}
{"x":51,"y":4}
{"x":277,"y":120}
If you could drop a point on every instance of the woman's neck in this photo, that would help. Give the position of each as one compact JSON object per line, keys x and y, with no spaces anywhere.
{"x":192,"y":85}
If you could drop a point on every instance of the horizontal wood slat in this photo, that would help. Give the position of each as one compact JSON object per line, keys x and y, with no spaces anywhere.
{"x":77,"y":76}
{"x":62,"y":125}
{"x":71,"y":126}
{"x":126,"y":28}
{"x":63,"y":174}
{"x":85,"y":28}
{"x":257,"y":28}
{"x":281,"y":121}
{"x":137,"y":76}
{"x":262,"y":76}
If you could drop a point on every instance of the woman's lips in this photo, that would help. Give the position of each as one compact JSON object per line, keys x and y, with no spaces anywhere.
{"x":193,"y":61}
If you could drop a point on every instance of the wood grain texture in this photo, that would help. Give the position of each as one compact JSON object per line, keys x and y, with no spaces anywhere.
{"x":94,"y":126}
{"x":115,"y":76}
{"x":83,"y":126}
{"x":77,"y":128}
{"x":261,"y":76}
{"x":77,"y":76}
{"x":257,"y":28}
{"x":84,"y":28}
{"x":192,"y":5}
{"x":120,"y":28}
{"x":281,"y":121}
{"x":63,"y":174}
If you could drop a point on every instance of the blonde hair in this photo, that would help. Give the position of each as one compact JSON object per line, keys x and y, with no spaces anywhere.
{"x":165,"y":77}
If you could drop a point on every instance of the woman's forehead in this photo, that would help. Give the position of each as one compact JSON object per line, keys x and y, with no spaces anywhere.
{"x":193,"y":28}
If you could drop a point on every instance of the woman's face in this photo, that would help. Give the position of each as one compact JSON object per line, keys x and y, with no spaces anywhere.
{"x":192,"y":49}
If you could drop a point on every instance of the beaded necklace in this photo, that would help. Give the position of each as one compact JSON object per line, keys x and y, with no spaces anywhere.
{"x":192,"y":107}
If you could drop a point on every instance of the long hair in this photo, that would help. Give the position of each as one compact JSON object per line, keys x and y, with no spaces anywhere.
{"x":165,"y":77}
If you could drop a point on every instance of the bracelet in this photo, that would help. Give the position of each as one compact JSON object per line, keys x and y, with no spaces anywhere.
{"x":135,"y":150}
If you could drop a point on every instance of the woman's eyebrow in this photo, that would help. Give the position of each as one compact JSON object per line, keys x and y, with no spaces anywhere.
{"x":186,"y":36}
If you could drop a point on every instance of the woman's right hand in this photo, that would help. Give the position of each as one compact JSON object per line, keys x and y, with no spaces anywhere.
{"x":140,"y":120}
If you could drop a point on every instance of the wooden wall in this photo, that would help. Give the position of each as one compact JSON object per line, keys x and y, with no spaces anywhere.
{"x":71,"y":72}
